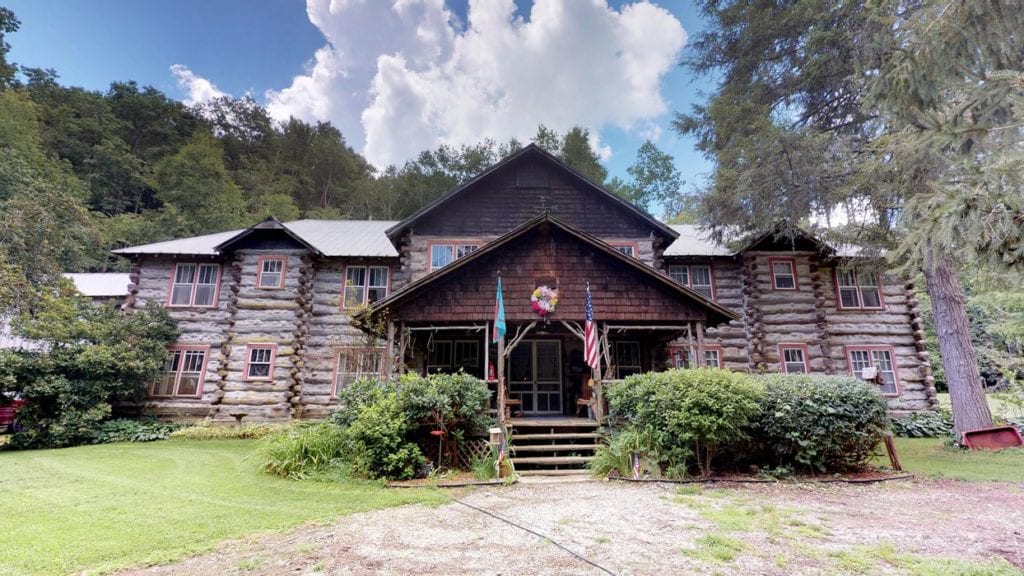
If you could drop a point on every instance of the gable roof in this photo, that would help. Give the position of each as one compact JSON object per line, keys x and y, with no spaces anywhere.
{"x":694,"y":242}
{"x":532,"y":150}
{"x":270,"y":223}
{"x":352,"y":238}
{"x":715,"y":311}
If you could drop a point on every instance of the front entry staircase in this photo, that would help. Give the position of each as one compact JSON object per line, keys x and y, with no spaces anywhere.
{"x":557,"y":446}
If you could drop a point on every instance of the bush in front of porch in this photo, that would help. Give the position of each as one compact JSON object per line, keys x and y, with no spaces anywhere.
{"x":690,"y":420}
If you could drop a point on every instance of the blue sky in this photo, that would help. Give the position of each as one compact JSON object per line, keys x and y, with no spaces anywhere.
{"x":255,"y":46}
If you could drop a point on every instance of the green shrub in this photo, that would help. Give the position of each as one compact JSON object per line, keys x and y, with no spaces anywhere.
{"x":819,"y":422}
{"x":453,"y":403}
{"x":207,"y":430}
{"x":302,"y":451}
{"x":617,"y":454}
{"x":357,"y":395}
{"x":128,"y":430}
{"x":484,"y":467}
{"x":698,"y":410}
{"x":937,"y":424}
{"x":376,"y":442}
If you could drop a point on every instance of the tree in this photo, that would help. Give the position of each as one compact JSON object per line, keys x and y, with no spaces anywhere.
{"x":9,"y":24}
{"x":576,"y":152}
{"x":196,"y":182}
{"x":883,"y":115}
{"x":655,"y":181}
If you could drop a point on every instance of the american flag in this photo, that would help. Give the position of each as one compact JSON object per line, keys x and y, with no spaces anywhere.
{"x":590,"y":339}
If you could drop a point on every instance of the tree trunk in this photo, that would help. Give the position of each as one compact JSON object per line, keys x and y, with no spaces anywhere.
{"x":966,"y":393}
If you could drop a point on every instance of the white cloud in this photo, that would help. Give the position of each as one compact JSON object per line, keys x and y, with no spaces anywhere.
{"x":405,"y":75}
{"x":199,"y":89}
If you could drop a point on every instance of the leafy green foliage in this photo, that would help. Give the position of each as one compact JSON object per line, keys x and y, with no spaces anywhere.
{"x":453,"y":403}
{"x":937,"y":424}
{"x":207,"y":430}
{"x":617,"y":454}
{"x":485,"y":466}
{"x":819,"y":423}
{"x":302,"y":451}
{"x":376,"y":443}
{"x":129,"y":430}
{"x":701,"y":410}
{"x":92,"y":357}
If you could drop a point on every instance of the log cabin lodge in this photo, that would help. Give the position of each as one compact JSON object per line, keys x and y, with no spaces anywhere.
{"x":276,"y":318}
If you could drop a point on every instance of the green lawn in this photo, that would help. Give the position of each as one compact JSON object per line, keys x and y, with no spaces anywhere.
{"x":98,"y":508}
{"x":996,"y":403}
{"x":929,"y":457}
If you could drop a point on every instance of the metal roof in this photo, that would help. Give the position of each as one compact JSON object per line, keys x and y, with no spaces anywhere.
{"x":693,"y":242}
{"x":355,"y":238}
{"x":99,"y":285}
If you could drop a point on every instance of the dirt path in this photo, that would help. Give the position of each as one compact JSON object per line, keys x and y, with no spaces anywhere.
{"x":892,"y":528}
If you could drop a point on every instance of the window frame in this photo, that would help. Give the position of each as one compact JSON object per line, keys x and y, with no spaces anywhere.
{"x":619,"y":366}
{"x":794,"y":346}
{"x":454,"y":245}
{"x":689,"y":277}
{"x":870,"y":348}
{"x":366,"y":284}
{"x":378,"y":351}
{"x":259,"y":271}
{"x":184,"y":349}
{"x":453,"y":361}
{"x":249,"y":348}
{"x":194,"y":285}
{"x":860,"y":292}
{"x":685,"y":350}
{"x":634,"y":247}
{"x":792,"y":268}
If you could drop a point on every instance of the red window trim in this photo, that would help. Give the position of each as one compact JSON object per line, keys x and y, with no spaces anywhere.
{"x":259,"y":271}
{"x":686,"y":351}
{"x":191,"y":304}
{"x":448,"y":242}
{"x":366,"y":286}
{"x":892,"y":356}
{"x":839,"y":299}
{"x":624,"y":243}
{"x":791,"y":346}
{"x":337,"y":350}
{"x":185,"y":347}
{"x":792,"y":267}
{"x":689,"y":277}
{"x":248,"y":354}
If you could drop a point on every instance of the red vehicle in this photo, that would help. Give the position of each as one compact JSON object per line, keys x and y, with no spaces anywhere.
{"x":8,"y":412}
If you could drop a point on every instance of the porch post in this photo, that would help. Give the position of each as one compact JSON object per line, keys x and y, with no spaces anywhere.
{"x":389,"y":352}
{"x":701,"y":359}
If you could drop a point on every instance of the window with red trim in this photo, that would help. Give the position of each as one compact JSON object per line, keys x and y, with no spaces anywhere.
{"x":183,"y":373}
{"x":356,"y":363}
{"x":880,"y":360}
{"x":793,"y":359}
{"x":627,"y":248}
{"x":444,"y":254}
{"x":194,"y":285}
{"x":271,"y":272}
{"x":858,"y":290}
{"x":679,"y":357}
{"x":697,"y":278}
{"x":364,"y":285}
{"x":783,"y":274}
{"x":259,"y":361}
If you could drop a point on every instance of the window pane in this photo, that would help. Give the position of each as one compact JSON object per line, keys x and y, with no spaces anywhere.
{"x":378,"y":276}
{"x":206,"y":286}
{"x":680,"y":274}
{"x":355,"y":286}
{"x":188,"y":385}
{"x":165,"y":387}
{"x":181,"y":291}
{"x":185,"y":274}
{"x":204,"y":295}
{"x":886,"y":370}
{"x":466,"y":353}
{"x":783,"y":274}
{"x":678,"y":359}
{"x":181,"y":295}
{"x":859,"y":360}
{"x":270,"y":273}
{"x":627,"y":250}
{"x":711,"y":359}
{"x":848,"y":298}
{"x":259,"y":362}
{"x":793,"y":360}
{"x":441,"y":255}
{"x":272,"y":265}
{"x":465,"y":250}
{"x":847,"y":278}
{"x":700,"y":279}
{"x":870,"y":297}
{"x":440,"y":358}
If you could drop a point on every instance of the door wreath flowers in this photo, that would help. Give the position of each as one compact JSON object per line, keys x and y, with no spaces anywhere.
{"x":544,"y":300}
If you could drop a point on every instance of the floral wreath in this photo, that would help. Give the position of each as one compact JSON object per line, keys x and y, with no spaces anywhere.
{"x":544,"y":300}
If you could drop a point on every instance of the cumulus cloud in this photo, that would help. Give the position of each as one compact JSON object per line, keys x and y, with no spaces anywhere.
{"x":199,"y":89}
{"x":407,"y":75}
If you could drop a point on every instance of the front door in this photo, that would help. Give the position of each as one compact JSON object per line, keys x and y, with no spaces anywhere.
{"x":535,"y":376}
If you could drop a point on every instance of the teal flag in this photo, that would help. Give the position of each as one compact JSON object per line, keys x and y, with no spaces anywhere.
{"x":499,"y":316}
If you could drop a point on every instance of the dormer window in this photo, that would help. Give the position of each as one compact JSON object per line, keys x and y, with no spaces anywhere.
{"x":443,"y":254}
{"x":270,"y":274}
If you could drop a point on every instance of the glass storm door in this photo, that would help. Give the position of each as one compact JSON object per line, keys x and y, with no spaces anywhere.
{"x":535,"y":376}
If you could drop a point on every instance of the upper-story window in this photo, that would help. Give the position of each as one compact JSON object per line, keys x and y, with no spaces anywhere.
{"x":783,"y":274}
{"x":364,"y":285}
{"x":270,"y":274}
{"x":858,"y":290}
{"x":442,"y":255}
{"x":697,"y":278}
{"x":627,"y":248}
{"x":194,"y":285}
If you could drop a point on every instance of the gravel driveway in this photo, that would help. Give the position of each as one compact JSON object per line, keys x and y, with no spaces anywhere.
{"x":624,"y":528}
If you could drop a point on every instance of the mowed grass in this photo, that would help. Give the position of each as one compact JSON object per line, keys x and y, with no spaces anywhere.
{"x":930,"y":457}
{"x":94,"y":509}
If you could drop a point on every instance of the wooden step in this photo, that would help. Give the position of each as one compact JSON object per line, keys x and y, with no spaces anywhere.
{"x":556,"y":436}
{"x":552,"y":460}
{"x":553,"y":447}
{"x":579,"y":472}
